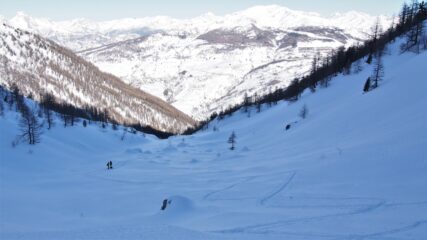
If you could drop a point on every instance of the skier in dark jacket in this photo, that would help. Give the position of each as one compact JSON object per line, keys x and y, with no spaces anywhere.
{"x":109,"y":165}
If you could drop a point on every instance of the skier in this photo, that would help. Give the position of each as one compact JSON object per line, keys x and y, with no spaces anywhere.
{"x":109,"y":165}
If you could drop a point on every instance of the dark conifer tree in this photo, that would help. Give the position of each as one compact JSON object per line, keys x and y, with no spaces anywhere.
{"x":29,"y":126}
{"x":423,"y":10}
{"x":64,"y":118}
{"x":1,"y":108}
{"x":369,"y":60}
{"x":246,"y":103}
{"x":403,"y":15}
{"x":378,"y":73}
{"x":367,"y":86}
{"x":416,"y":31}
{"x":294,"y":90}
{"x":2,"y":95}
{"x":232,"y":140}
{"x":48,"y":115}
{"x":303,"y":112}
{"x":47,"y":103}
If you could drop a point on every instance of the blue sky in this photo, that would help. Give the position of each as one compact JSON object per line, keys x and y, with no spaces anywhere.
{"x":110,"y":9}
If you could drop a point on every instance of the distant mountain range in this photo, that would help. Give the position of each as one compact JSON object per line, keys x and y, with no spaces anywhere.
{"x":206,"y":64}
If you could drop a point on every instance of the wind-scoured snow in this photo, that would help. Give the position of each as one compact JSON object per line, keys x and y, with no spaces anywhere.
{"x":355,"y":168}
{"x":206,"y":64}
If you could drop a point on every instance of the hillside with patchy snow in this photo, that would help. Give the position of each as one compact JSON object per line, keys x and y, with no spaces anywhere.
{"x":354,"y":168}
{"x":37,"y":66}
{"x":206,"y":64}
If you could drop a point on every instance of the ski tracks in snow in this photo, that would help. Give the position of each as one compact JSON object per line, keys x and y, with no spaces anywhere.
{"x":277,"y":191}
{"x":210,"y":194}
{"x":273,"y":227}
{"x":318,"y":235}
{"x":262,"y":200}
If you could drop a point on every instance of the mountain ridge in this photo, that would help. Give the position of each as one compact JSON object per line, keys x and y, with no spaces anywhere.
{"x":37,"y":65}
{"x":263,"y":16}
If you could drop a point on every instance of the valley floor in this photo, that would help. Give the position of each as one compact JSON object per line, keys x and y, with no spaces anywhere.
{"x":355,"y":168}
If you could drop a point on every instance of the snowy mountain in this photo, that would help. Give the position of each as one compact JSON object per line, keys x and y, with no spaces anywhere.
{"x":354,"y":168}
{"x":205,"y":64}
{"x":37,"y":65}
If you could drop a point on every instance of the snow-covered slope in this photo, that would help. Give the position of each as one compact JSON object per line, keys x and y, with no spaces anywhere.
{"x":355,"y":168}
{"x":37,"y":65}
{"x":205,"y":64}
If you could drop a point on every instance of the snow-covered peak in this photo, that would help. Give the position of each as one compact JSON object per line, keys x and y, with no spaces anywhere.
{"x":208,"y":15}
{"x":359,"y":19}
{"x":268,"y":16}
{"x":24,"y":21}
{"x":273,"y":13}
{"x":79,"y":23}
{"x":21,"y":20}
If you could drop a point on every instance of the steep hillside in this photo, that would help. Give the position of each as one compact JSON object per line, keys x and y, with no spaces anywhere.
{"x":205,"y":64}
{"x":37,"y":65}
{"x":354,"y":168}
